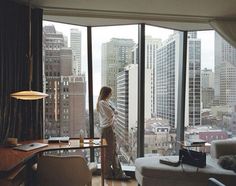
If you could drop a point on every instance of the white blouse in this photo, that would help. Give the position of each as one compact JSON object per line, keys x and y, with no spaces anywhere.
{"x":106,"y":114}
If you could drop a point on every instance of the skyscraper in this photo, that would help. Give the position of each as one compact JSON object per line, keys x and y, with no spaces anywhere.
{"x":53,"y":42}
{"x":127,"y":88}
{"x":193,"y":81}
{"x":225,"y":63}
{"x":75,"y":43}
{"x":116,"y":54}
{"x":167,"y":77}
{"x":207,"y":87}
{"x":151,"y":46}
{"x":207,"y":78}
{"x":65,"y":106}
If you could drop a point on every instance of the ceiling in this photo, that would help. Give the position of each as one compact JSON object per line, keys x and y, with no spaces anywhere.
{"x":177,"y":14}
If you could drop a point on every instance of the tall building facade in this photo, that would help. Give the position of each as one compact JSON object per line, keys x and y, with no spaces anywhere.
{"x":167,"y":77}
{"x":207,"y":78}
{"x":225,"y":63}
{"x":116,"y":54}
{"x":75,"y":44}
{"x":127,"y":96}
{"x":228,"y":84}
{"x":207,"y":87}
{"x":151,"y":46}
{"x":53,"y":42}
{"x":193,"y":81}
{"x":65,"y":105}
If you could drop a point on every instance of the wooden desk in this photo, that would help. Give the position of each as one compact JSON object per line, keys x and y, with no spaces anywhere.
{"x":11,"y":160}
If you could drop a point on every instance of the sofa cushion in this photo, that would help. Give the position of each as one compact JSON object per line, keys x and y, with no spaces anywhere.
{"x":150,"y":167}
{"x":228,"y":162}
{"x":223,"y":147}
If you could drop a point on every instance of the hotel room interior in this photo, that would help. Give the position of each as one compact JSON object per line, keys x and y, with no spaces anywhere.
{"x":25,"y":119}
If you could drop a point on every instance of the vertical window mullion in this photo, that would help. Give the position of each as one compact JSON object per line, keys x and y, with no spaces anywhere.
{"x":90,"y":88}
{"x":141,"y":89}
{"x":181,"y":90}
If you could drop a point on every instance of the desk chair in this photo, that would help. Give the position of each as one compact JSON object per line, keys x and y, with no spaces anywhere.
{"x":63,"y":170}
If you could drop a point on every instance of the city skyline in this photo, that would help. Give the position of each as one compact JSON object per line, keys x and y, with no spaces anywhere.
{"x":113,"y":54}
{"x":104,"y":34}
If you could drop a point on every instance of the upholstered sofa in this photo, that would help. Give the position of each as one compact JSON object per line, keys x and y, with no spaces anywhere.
{"x":149,"y":172}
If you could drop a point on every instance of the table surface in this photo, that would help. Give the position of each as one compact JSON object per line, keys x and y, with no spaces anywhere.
{"x":11,"y":158}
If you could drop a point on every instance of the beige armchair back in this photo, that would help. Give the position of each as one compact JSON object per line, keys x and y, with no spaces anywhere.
{"x":63,"y":170}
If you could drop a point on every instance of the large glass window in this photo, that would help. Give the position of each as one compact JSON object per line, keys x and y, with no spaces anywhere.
{"x":210,"y":102}
{"x":163,"y":51}
{"x":211,"y":88}
{"x":115,"y":65}
{"x":65,"y":80}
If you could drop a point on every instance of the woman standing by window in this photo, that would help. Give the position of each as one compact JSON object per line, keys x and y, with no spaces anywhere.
{"x":107,"y":117}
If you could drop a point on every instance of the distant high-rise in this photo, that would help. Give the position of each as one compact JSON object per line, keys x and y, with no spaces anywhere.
{"x":75,"y":44}
{"x":167,"y":77}
{"x":65,"y":62}
{"x":193,"y":81}
{"x":127,"y":95}
{"x":207,"y":78}
{"x":116,"y":54}
{"x":228,"y":84}
{"x":207,"y":87}
{"x":151,"y":46}
{"x":65,"y":105}
{"x":72,"y":104}
{"x":207,"y":97}
{"x":53,"y":42}
{"x":225,"y":63}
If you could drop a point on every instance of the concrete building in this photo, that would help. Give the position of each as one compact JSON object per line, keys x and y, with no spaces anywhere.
{"x":53,"y":44}
{"x":151,"y":46}
{"x":166,"y":84}
{"x":167,"y":77}
{"x":116,"y":54}
{"x":75,"y":44}
{"x":207,"y":97}
{"x":207,"y":78}
{"x":66,"y":61}
{"x":228,"y":83}
{"x":127,"y":88}
{"x":193,"y":81}
{"x":65,"y":105}
{"x":224,"y":52}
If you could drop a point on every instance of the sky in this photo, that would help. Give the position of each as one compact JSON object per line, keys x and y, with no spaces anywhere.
{"x":104,"y":34}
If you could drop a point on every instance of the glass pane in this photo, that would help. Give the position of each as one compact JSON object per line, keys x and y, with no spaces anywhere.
{"x":163,"y":50}
{"x":113,"y":66}
{"x":65,"y":80}
{"x":213,"y":117}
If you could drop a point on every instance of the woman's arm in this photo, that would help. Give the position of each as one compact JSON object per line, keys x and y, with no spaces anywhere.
{"x":105,"y":109}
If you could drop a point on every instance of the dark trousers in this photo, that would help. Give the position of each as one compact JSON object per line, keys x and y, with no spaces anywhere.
{"x":112,"y":167}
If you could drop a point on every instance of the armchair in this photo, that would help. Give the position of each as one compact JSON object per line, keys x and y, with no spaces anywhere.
{"x":63,"y":170}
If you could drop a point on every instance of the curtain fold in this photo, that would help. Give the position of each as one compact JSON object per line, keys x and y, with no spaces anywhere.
{"x":227,"y":30}
{"x":20,"y":119}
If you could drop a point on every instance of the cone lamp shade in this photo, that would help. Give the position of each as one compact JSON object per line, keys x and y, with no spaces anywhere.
{"x":29,"y":94}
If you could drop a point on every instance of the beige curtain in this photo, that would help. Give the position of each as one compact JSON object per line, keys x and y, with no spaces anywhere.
{"x":227,"y":30}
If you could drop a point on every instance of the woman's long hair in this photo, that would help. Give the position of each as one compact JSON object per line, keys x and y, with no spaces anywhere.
{"x":104,"y":93}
